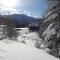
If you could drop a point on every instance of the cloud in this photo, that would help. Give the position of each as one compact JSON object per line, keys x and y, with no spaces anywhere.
{"x":7,"y":11}
{"x":27,"y":12}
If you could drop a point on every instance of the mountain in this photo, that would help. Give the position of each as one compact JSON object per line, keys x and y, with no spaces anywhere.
{"x":1,"y":20}
{"x":21,"y":20}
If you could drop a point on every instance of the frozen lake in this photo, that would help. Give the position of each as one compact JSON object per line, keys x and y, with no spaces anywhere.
{"x":12,"y":50}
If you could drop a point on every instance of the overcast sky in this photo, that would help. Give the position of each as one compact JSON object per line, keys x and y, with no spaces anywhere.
{"x":29,"y":7}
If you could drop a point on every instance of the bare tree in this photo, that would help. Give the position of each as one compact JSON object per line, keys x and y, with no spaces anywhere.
{"x":9,"y":29}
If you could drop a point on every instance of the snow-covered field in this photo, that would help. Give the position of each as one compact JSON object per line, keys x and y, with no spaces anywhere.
{"x":12,"y":50}
{"x":28,"y":37}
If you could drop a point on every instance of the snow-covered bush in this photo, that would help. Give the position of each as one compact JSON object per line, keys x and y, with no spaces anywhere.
{"x":39,"y":44}
{"x":9,"y":28}
{"x":2,"y":35}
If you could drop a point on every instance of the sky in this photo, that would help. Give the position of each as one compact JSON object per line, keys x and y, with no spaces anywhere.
{"x":33,"y":8}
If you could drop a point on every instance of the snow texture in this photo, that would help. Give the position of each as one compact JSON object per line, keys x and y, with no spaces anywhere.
{"x":20,"y":51}
{"x":12,"y":50}
{"x":30,"y":38}
{"x":53,"y":29}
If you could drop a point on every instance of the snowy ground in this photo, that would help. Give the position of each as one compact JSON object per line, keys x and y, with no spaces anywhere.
{"x":12,"y":50}
{"x":28,"y":37}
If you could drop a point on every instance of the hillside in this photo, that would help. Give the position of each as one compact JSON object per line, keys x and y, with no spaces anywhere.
{"x":21,"y":20}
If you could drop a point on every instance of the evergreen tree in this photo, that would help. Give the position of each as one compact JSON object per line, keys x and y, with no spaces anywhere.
{"x":52,"y":27}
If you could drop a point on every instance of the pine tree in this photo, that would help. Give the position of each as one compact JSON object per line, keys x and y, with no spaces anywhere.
{"x":53,"y":11}
{"x":52,"y":27}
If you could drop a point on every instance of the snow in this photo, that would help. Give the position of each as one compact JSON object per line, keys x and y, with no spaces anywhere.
{"x":20,"y":51}
{"x":52,"y":30}
{"x":12,"y":50}
{"x":29,"y":38}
